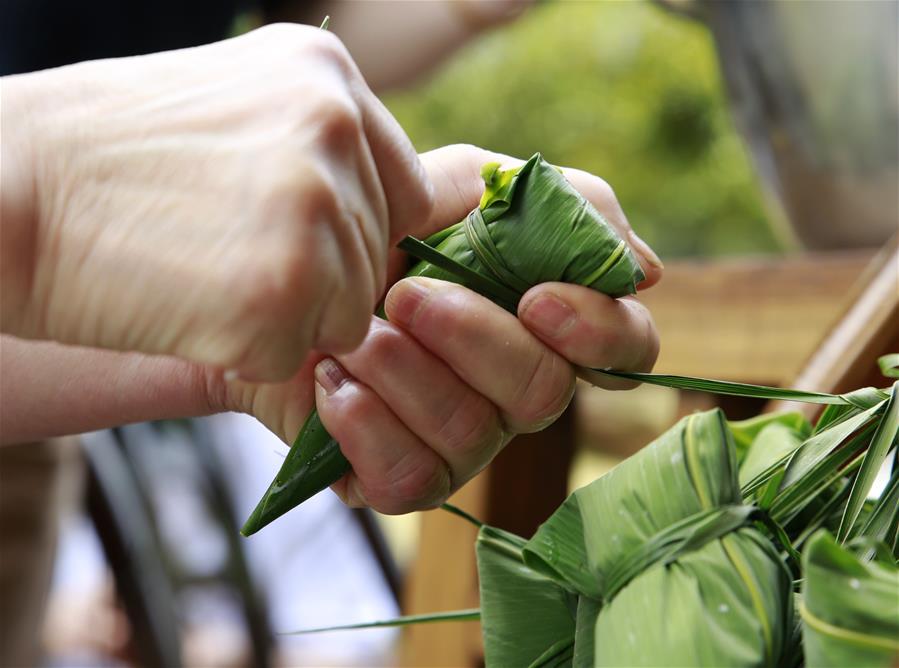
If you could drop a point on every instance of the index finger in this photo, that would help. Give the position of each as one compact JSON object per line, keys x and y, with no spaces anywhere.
{"x":407,"y":185}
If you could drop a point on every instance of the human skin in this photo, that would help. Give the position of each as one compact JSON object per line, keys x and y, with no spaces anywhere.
{"x":230,"y":204}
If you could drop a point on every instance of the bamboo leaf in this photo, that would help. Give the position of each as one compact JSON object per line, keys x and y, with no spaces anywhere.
{"x":557,"y":550}
{"x":455,"y":510}
{"x":841,"y":462}
{"x":883,"y":521}
{"x":823,"y":443}
{"x":746,"y":431}
{"x":480,"y":283}
{"x":823,"y":514}
{"x":848,"y":607}
{"x":470,"y":615}
{"x":884,"y":440}
{"x":584,"y":640}
{"x":889,"y":365}
{"x":716,"y":607}
{"x":523,"y":613}
{"x":721,"y":387}
{"x":773,"y":444}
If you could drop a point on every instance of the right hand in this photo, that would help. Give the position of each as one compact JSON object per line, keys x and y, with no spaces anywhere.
{"x":231,"y":204}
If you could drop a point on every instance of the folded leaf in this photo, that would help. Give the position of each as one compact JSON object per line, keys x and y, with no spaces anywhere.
{"x":850,"y":609}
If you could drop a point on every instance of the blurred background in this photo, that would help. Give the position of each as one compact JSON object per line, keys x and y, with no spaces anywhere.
{"x":625,"y":90}
{"x":753,"y":145}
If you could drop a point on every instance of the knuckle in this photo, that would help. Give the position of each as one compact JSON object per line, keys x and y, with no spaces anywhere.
{"x":427,"y":482}
{"x":545,"y":393}
{"x":416,"y":483}
{"x":605,"y":193}
{"x":355,"y":408}
{"x":337,"y":117}
{"x":471,"y":428}
{"x":291,"y":196}
{"x":384,"y":346}
{"x":328,"y":44}
{"x":270,"y":291}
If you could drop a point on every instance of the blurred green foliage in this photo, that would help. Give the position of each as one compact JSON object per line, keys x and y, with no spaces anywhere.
{"x":621,"y":89}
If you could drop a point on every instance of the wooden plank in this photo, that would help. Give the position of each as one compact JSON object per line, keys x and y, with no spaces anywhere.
{"x":846,"y":359}
{"x":753,"y":320}
{"x":444,"y":577}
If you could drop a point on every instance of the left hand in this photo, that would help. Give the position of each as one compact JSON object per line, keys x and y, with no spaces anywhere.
{"x":431,"y":396}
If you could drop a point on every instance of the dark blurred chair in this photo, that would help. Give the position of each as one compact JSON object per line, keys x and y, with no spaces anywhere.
{"x":148,"y":576}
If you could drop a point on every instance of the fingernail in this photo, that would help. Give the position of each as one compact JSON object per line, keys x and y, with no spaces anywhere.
{"x":330,"y":375}
{"x":642,"y":248}
{"x":549,"y":315}
{"x":406,"y":297}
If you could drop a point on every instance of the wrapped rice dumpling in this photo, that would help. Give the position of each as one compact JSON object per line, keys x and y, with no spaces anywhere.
{"x":849,"y":609}
{"x":654,"y":564}
{"x":531,"y":227}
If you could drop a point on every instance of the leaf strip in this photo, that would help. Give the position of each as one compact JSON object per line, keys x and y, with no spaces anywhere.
{"x":854,"y":637}
{"x":499,"y":293}
{"x":469,"y":615}
{"x":724,"y":387}
{"x":883,"y":441}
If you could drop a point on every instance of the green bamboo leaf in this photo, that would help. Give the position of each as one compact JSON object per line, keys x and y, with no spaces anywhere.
{"x":842,"y":461}
{"x":839,"y":493}
{"x":883,"y":521}
{"x":480,"y":283}
{"x":558,"y":655}
{"x":773,"y":445}
{"x":889,"y":365}
{"x":823,"y":443}
{"x":458,"y":512}
{"x":584,"y":640}
{"x":884,"y":440}
{"x":314,"y":457}
{"x":523,"y":613}
{"x":720,"y":387}
{"x":744,"y":432}
{"x":849,"y":607}
{"x":727,"y":604}
{"x":469,"y":615}
{"x":671,"y":543}
{"x":557,"y":550}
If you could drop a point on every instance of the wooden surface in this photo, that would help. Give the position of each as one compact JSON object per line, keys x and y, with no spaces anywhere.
{"x":846,"y":359}
{"x":752,"y":320}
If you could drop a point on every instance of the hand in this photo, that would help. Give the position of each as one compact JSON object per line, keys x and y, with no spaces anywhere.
{"x":231,"y":204}
{"x":431,"y":396}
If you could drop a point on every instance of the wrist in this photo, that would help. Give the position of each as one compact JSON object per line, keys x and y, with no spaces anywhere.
{"x":18,"y":204}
